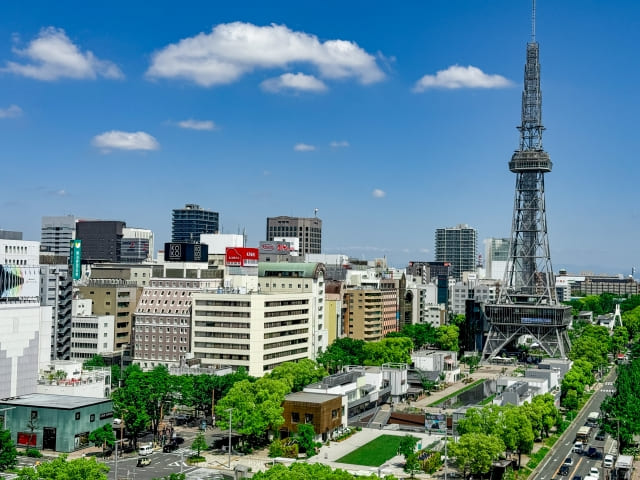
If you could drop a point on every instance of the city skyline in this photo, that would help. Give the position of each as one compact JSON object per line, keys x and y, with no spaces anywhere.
{"x":391,"y":121}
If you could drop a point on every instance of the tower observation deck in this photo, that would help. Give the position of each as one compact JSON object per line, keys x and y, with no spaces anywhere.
{"x":527,"y":303}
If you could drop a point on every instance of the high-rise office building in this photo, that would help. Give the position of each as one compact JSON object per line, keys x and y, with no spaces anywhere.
{"x":56,"y":233}
{"x":189,"y":222}
{"x":458,"y":246}
{"x":101,"y":240}
{"x":308,"y":231}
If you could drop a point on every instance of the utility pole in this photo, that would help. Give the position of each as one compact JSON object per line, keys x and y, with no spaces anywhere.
{"x":230,"y":410}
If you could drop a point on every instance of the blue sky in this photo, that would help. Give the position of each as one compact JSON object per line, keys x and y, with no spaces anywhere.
{"x":256,"y":109}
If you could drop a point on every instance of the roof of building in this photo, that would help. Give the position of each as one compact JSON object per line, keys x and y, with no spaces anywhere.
{"x":45,"y":400}
{"x":309,"y":397}
{"x":303,"y":270}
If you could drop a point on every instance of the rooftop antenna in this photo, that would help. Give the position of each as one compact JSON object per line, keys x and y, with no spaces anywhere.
{"x":533,"y":22}
{"x":315,"y":212}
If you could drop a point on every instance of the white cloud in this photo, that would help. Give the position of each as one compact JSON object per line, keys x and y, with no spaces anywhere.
{"x":461,"y":77}
{"x":125,"y":141}
{"x":11,"y":111}
{"x":377,"y":193}
{"x":52,"y":55}
{"x":339,"y":144}
{"x":197,"y":124}
{"x":234,"y":49}
{"x":303,"y":147}
{"x":294,"y":81}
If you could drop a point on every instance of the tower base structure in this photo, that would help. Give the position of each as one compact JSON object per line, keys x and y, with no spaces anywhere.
{"x":547,"y":324}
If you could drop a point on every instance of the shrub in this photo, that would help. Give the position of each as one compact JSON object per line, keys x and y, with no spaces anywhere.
{"x":33,"y":452}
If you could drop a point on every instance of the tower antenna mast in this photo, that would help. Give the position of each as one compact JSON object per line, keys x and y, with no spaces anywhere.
{"x":533,"y":22}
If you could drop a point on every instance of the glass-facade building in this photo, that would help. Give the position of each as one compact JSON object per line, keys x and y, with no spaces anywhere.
{"x":457,"y":245}
{"x":189,"y":222}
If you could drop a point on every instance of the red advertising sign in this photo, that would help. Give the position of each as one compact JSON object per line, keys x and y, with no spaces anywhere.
{"x":241,"y":257}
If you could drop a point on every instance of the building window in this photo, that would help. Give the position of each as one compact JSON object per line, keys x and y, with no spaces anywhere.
{"x":77,"y":415}
{"x":92,"y":417}
{"x":308,"y":418}
{"x":295,"y":417}
{"x":34,"y":414}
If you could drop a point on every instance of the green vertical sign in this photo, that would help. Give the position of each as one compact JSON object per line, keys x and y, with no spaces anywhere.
{"x":76,"y":257}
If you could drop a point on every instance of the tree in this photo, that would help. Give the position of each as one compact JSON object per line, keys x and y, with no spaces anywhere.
{"x":343,"y":351}
{"x":518,"y":434}
{"x":476,"y":452}
{"x":257,"y":406}
{"x":299,"y":374}
{"x":59,"y":468}
{"x":199,"y":443}
{"x":412,"y":464}
{"x":130,"y":401}
{"x":103,"y":436}
{"x":307,"y":439}
{"x":407,"y":446}
{"x":388,"y":350}
{"x":8,"y":452}
{"x":95,"y":361}
{"x":307,"y":471}
{"x":173,"y":476}
{"x":448,"y":337}
{"x":619,"y":340}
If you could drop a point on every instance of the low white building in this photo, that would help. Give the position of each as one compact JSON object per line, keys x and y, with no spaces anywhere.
{"x":518,"y":390}
{"x":440,"y":361}
{"x":67,"y":377}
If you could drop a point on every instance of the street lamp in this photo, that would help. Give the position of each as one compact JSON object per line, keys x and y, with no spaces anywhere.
{"x":445,"y":445}
{"x":230,"y":410}
{"x":121,"y":434}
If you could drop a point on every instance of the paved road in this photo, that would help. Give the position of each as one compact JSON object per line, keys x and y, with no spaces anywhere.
{"x":563,"y":448}
{"x":162,"y":464}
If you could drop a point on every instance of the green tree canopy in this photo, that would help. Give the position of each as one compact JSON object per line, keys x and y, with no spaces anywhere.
{"x":343,"y":351}
{"x":199,"y":443}
{"x":299,"y":374}
{"x":61,"y":469}
{"x":8,"y":452}
{"x":476,"y":452}
{"x":407,"y":445}
{"x":306,"y":437}
{"x":388,"y":350}
{"x":103,"y":436}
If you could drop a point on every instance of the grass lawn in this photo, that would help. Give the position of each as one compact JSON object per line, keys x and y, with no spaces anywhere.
{"x":374,"y":453}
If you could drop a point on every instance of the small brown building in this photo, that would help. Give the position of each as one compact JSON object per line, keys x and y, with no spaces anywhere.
{"x":322,"y":410}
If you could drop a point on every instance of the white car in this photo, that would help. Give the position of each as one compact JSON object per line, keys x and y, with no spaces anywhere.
{"x":608,"y":461}
{"x":594,"y":472}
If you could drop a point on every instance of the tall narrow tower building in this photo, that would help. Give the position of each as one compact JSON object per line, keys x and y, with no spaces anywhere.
{"x":527,"y":304}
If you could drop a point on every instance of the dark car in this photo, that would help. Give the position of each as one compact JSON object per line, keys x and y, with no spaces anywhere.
{"x":143,"y":462}
{"x":592,"y":452}
{"x":600,"y":435}
{"x":564,"y":470}
{"x":568,"y":461}
{"x":170,"y":447}
{"x":178,"y":440}
{"x":577,"y":477}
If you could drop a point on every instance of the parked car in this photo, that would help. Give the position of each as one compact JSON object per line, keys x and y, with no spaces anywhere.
{"x":143,"y":462}
{"x":170,"y":447}
{"x":600,"y":435}
{"x":594,"y":472}
{"x":608,"y":461}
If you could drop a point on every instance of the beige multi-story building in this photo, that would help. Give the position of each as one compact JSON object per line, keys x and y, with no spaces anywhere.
{"x":333,"y":310}
{"x":390,"y":288}
{"x":114,"y":297}
{"x":256,"y":331}
{"x":162,"y":323}
{"x":363,"y":313}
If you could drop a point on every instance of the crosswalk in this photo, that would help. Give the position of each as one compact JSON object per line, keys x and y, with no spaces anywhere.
{"x":607,"y":387}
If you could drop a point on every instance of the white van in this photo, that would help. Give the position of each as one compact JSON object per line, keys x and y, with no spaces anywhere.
{"x":577,"y":447}
{"x":608,"y":461}
{"x":145,"y":450}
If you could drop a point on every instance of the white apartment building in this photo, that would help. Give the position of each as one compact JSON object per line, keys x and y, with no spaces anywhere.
{"x":74,"y":380}
{"x":256,"y":331}
{"x":424,"y":302}
{"x":477,"y":290}
{"x":90,"y":334}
